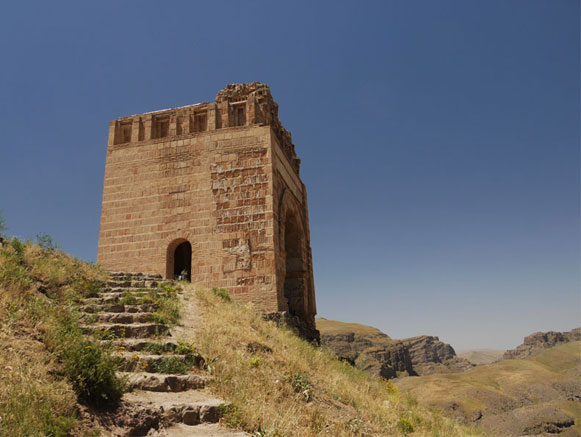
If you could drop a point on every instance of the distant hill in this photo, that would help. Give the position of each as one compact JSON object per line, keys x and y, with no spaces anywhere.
{"x":370,"y":349}
{"x":537,"y":342}
{"x":536,"y":396}
{"x":482,"y":356}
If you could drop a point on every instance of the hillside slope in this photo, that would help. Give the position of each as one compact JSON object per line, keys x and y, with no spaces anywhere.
{"x":291,"y":388}
{"x":537,"y":396}
{"x":57,"y":380}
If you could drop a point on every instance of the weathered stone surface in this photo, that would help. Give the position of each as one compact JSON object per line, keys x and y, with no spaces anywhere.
{"x":160,"y":400}
{"x":303,"y":328}
{"x":386,"y":360}
{"x":535,"y":343}
{"x":211,"y":191}
{"x":430,"y":355}
{"x":164,"y":383}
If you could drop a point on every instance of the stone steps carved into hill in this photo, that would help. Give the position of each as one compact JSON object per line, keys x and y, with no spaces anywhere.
{"x":168,"y":397}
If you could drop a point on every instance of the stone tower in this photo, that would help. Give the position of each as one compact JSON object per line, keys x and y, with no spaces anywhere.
{"x":212,"y":193}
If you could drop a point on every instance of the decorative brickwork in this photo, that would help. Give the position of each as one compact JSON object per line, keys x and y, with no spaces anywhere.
{"x":211,"y":192}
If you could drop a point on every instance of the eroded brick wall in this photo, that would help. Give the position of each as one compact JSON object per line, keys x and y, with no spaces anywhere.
{"x":214,"y":175}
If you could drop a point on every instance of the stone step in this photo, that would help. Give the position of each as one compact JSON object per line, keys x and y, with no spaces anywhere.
{"x":131,"y":284}
{"x":190,"y":407}
{"x":89,"y":301}
{"x":152,"y":363}
{"x":137,"y":293}
{"x":118,"y":308}
{"x":134,"y":330}
{"x":141,"y":298}
{"x":160,"y":382}
{"x":201,"y":430}
{"x":134,"y":275}
{"x":141,"y":344}
{"x":122,"y":290}
{"x":119,"y":317}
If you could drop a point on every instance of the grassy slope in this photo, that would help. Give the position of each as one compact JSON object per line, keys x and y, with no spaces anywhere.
{"x":38,"y":288}
{"x":334,"y":327}
{"x":530,"y":380}
{"x":297,"y":389}
{"x":294,"y":390}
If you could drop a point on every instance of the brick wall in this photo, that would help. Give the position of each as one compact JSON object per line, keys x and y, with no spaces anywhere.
{"x":222,"y":176}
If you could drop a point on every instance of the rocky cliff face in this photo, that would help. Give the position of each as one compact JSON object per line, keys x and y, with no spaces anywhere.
{"x":535,"y":343}
{"x":430,"y":355}
{"x":365,"y":347}
{"x":387,"y":361}
{"x":370,"y":349}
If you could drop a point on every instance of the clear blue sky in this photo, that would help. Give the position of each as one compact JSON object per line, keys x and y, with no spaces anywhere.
{"x":440,"y":140}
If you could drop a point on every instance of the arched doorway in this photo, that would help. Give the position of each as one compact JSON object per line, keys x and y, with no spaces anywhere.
{"x":294,"y":279}
{"x":179,"y":260}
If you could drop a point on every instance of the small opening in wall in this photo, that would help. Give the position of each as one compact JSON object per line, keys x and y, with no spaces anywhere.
{"x":179,"y":260}
{"x":161,"y":127}
{"x":239,"y":115}
{"x":199,"y":122}
{"x":123,"y":133}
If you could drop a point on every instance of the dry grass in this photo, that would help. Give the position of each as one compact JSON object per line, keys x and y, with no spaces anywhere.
{"x":525,"y":382}
{"x":290,"y":388}
{"x":36,"y":284}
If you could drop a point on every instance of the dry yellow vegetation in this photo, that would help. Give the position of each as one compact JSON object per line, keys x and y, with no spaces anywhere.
{"x":38,"y":286}
{"x":511,"y":397}
{"x":280,"y":385}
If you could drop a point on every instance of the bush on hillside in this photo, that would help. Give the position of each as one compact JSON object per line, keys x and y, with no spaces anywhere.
{"x":41,"y":340}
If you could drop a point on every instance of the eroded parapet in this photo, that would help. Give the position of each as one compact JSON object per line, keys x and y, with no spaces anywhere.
{"x":236,"y":106}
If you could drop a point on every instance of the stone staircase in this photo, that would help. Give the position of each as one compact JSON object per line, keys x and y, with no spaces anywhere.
{"x":167,"y":397}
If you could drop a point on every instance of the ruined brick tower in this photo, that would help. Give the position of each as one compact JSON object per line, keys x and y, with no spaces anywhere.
{"x":212,"y":192}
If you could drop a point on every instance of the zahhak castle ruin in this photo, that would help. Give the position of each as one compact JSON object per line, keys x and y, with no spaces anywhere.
{"x":211,"y":193}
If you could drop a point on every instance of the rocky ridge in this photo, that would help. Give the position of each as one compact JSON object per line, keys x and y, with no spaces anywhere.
{"x":430,"y":355}
{"x":537,"y":342}
{"x":370,"y":349}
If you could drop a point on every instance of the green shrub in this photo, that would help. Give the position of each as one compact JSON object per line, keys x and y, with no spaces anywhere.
{"x":174,"y":365}
{"x":301,"y":384}
{"x":405,"y":426}
{"x":88,"y":366}
{"x":169,"y":290}
{"x":2,"y":224}
{"x":160,"y":348}
{"x":46,"y":242}
{"x":58,"y":426}
{"x":254,"y":361}
{"x":91,"y":370}
{"x":185,"y":348}
{"x":222,"y":293}
{"x":18,"y":247}
{"x":168,"y":311}
{"x":89,"y":287}
{"x":128,"y":299}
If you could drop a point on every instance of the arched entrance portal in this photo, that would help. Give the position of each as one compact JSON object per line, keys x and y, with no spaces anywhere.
{"x":295,"y":273}
{"x":179,"y":260}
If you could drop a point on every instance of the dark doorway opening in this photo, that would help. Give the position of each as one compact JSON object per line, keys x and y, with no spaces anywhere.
{"x":182,"y":262}
{"x":294,"y":280}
